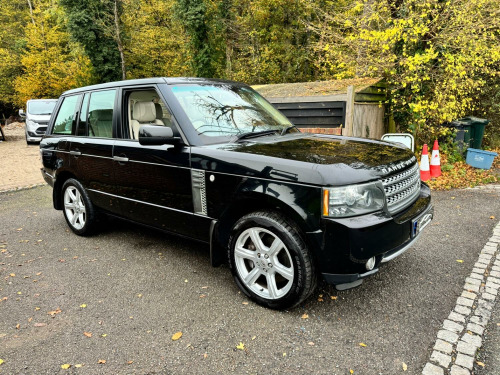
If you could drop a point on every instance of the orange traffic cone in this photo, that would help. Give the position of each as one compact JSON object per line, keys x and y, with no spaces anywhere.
{"x":435,"y":161}
{"x":425,"y":173}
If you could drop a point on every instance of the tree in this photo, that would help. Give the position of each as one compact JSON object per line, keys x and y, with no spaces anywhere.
{"x":96,"y":25}
{"x":193,"y":16}
{"x":436,"y":55}
{"x":51,"y":62}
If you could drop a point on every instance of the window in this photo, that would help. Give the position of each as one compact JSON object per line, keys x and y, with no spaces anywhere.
{"x":100,"y":113}
{"x":82,"y":124}
{"x":146,"y":108}
{"x":66,"y":116}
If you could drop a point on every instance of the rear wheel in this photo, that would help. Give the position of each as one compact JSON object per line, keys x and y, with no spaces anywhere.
{"x":77,"y":207}
{"x":270,"y":262}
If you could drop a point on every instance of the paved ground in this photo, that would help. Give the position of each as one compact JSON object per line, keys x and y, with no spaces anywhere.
{"x":119,"y":297}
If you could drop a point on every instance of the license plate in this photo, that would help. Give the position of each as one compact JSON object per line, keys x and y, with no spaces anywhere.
{"x":421,"y":222}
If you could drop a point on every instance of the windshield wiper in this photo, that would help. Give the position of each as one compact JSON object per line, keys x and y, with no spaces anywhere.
{"x":287,"y":129}
{"x":255,"y":134}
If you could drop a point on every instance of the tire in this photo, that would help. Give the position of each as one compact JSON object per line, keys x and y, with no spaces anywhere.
{"x":79,"y":211}
{"x":270,"y":262}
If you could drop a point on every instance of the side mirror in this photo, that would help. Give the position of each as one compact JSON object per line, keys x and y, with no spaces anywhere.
{"x":157,"y":135}
{"x":22,"y":114}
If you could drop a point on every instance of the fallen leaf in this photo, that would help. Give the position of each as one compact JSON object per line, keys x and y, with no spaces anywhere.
{"x":19,"y":293}
{"x":310,"y":343}
{"x":62,"y":260}
{"x":244,"y":303}
{"x":205,"y":355}
{"x":39,"y":273}
{"x":40,"y":324}
{"x":405,"y":367}
{"x":30,"y":319}
{"x":139,"y":295}
{"x":101,"y":361}
{"x":12,"y":275}
{"x":2,"y":361}
{"x":130,"y":362}
{"x":65,"y":366}
{"x":202,"y":295}
{"x":492,"y":217}
{"x":186,"y":280}
{"x":305,"y":316}
{"x":460,"y":261}
{"x":240,"y":346}
{"x":284,"y":354}
{"x":54,"y":312}
{"x":104,"y":335}
{"x":254,"y":337}
{"x":19,"y":229}
{"x":18,"y":326}
{"x":176,"y":336}
{"x":480,"y":363}
{"x":37,"y":308}
{"x":79,"y":365}
{"x":351,"y":371}
{"x":87,"y":334}
{"x":83,"y":305}
{"x":334,"y":297}
{"x":320,"y":299}
{"x":362,"y":344}
{"x":204,"y":287}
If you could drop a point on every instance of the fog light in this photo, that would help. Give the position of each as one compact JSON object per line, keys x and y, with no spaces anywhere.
{"x":370,"y":264}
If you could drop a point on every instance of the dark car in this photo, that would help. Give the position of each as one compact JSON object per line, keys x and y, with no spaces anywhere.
{"x":214,"y":161}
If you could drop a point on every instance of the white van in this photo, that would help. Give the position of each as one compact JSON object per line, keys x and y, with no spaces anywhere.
{"x":37,"y":116}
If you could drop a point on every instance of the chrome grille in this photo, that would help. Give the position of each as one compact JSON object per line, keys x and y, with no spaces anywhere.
{"x":402,"y":188}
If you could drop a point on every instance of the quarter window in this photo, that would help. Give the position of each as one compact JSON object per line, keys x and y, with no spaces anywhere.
{"x":66,"y":116}
{"x":100,"y":119}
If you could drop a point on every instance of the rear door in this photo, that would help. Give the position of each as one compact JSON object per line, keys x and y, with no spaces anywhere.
{"x":91,"y":149}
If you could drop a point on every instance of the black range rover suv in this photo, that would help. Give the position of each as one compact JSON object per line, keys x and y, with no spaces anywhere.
{"x":214,"y":161}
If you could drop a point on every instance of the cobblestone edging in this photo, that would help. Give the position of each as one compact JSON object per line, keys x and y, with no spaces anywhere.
{"x":461,"y":334}
{"x":486,"y":187}
{"x":23,"y":188}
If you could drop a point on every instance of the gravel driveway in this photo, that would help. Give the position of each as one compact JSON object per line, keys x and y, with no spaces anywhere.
{"x":19,"y":163}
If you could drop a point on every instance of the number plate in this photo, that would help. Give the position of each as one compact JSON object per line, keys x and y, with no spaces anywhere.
{"x":421,"y":222}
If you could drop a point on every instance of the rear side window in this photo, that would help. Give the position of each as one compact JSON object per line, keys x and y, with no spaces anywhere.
{"x":100,"y":114}
{"x":66,"y":116}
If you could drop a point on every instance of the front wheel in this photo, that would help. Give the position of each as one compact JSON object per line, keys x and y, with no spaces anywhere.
{"x":270,"y":262}
{"x":78,"y":210}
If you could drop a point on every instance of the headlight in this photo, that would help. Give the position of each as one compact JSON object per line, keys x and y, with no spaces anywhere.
{"x":31,"y":124}
{"x":353,"y":200}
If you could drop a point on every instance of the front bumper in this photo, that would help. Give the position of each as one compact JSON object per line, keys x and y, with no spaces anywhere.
{"x":343,"y":246}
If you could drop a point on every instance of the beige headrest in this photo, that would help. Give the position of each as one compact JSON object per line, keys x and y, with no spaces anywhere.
{"x":144,"y":111}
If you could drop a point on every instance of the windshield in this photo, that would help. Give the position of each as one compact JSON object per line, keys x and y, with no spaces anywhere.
{"x":41,"y":107}
{"x":223,"y":112}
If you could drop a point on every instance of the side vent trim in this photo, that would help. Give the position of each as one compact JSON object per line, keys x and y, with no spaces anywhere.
{"x":199,"y":191}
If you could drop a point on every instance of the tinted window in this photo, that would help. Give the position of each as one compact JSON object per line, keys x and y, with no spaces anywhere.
{"x":100,"y":119}
{"x":64,"y":120}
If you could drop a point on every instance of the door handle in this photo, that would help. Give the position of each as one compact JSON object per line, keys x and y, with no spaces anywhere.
{"x":75,"y":153}
{"x":120,"y":159}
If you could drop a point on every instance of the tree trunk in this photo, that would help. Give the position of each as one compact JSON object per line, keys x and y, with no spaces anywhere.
{"x":119,"y":40}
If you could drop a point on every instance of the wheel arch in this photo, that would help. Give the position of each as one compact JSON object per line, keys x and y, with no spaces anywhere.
{"x":252,"y":202}
{"x":57,"y":196}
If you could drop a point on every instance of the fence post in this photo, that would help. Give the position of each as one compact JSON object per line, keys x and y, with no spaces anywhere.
{"x":349,"y":112}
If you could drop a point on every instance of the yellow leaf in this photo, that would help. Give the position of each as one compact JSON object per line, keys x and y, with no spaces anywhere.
{"x":405,"y":367}
{"x":104,"y":335}
{"x":254,"y":337}
{"x":79,"y":365}
{"x":83,"y":305}
{"x":351,"y":371}
{"x":65,"y":366}
{"x":492,"y":217}
{"x":1,"y":361}
{"x":240,"y":346}
{"x":460,"y":261}
{"x":362,"y":344}
{"x":284,"y":354}
{"x":54,"y":312}
{"x":176,"y":336}
{"x":101,"y":361}
{"x":480,"y":363}
{"x":334,"y":297}
{"x":305,"y":316}
{"x":12,"y":275}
